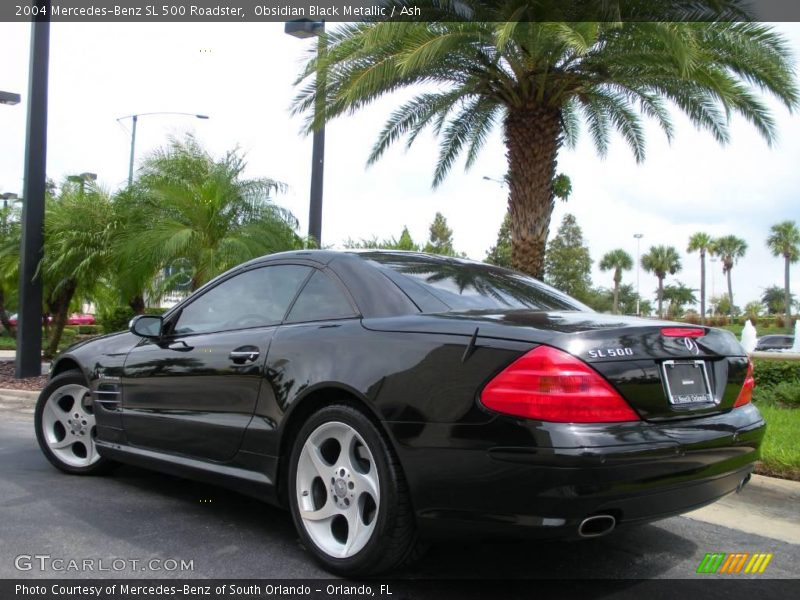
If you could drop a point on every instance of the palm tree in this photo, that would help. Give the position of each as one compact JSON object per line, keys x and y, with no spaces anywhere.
{"x":500,"y":63}
{"x":619,"y":261}
{"x":729,"y":249}
{"x":79,"y":229}
{"x":661,"y":260}
{"x":201,"y":211}
{"x":701,"y":242}
{"x":784,"y":240}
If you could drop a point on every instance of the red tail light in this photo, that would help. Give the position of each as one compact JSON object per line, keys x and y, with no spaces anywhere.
{"x":683,"y":331}
{"x":550,"y":385}
{"x":746,"y":394}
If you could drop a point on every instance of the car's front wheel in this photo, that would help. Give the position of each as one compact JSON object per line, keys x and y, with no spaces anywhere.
{"x":348,"y":495}
{"x":65,"y":426}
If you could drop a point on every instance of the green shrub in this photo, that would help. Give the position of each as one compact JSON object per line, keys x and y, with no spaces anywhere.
{"x":87,"y":329}
{"x":787,"y":394}
{"x":117,"y":319}
{"x":769,"y":373}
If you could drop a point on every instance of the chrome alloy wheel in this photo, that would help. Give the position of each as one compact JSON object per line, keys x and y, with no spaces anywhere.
{"x":338,"y":491}
{"x":68,"y":426}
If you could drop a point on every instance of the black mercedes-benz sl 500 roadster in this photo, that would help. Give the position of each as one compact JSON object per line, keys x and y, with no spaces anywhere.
{"x":388,"y":397}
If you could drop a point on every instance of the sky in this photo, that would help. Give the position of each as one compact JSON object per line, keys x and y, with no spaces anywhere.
{"x":242,"y":76}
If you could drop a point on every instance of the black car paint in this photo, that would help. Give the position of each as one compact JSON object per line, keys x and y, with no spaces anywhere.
{"x":409,"y":371}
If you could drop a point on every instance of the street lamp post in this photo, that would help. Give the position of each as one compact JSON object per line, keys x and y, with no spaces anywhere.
{"x":82,"y":179}
{"x":638,"y":237}
{"x":135,"y":119}
{"x":303,"y":29}
{"x":28,"y":361}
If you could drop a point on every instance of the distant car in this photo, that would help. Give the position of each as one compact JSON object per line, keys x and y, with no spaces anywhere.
{"x":774,"y":343}
{"x":76,"y":319}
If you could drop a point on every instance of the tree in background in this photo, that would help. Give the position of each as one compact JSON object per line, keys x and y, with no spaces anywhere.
{"x":730,"y":249}
{"x":568,"y":266}
{"x":440,"y":240}
{"x":753,"y":309}
{"x":404,"y":242}
{"x":661,"y":261}
{"x":10,"y":233}
{"x":485,"y":64}
{"x":602,"y":300}
{"x":721,"y":305}
{"x":701,"y":242}
{"x":784,"y":240}
{"x":500,"y":253}
{"x":617,"y":260}
{"x":202,"y":210}
{"x":79,"y":232}
{"x":678,"y":295}
{"x":774,"y":299}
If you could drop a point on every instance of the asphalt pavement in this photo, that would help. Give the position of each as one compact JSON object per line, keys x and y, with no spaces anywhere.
{"x":136,"y":515}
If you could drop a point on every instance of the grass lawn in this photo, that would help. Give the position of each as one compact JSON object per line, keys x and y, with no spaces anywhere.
{"x":780,"y":453}
{"x":7,"y":343}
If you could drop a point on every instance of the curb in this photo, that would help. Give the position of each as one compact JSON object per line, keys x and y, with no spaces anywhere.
{"x":21,"y":396}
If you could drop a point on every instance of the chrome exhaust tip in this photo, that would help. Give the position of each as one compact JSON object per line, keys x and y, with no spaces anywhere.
{"x":743,"y":483}
{"x":596,"y":526}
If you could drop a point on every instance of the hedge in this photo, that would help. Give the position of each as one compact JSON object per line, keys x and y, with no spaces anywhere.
{"x":769,"y":373}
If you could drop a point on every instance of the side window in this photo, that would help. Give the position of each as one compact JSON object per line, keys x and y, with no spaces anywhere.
{"x":252,"y":299}
{"x":321,"y":299}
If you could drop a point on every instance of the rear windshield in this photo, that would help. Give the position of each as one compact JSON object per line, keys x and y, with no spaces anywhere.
{"x":437,"y":285}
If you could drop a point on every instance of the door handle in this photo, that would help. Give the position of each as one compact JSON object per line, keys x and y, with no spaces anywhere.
{"x":242,"y":355}
{"x":180,"y":346}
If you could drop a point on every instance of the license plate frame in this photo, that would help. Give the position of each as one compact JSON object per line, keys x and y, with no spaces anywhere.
{"x":685,"y":398}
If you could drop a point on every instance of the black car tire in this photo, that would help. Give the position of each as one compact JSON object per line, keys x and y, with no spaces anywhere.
{"x":393,"y":540}
{"x":85,"y":430}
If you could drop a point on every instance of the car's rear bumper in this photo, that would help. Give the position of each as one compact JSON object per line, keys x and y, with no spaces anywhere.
{"x":463,"y":483}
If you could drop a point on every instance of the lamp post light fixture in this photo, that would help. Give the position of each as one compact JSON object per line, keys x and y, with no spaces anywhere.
{"x":9,"y":196}
{"x":82,"y":179}
{"x":9,"y":98}
{"x":638,"y":237}
{"x":135,"y":119}
{"x":303,"y":29}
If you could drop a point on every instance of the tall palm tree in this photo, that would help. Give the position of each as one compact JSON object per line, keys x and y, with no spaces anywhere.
{"x":661,"y":260}
{"x":619,"y":261}
{"x":701,"y":242}
{"x":485,"y":63}
{"x":784,"y":240}
{"x":730,"y":249}
{"x":201,"y":211}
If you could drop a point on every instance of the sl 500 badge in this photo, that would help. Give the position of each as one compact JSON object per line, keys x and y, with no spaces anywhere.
{"x":610,"y":352}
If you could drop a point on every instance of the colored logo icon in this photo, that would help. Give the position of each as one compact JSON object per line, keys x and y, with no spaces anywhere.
{"x":734,"y":563}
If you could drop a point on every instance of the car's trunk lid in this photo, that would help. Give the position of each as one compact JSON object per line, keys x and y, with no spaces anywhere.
{"x":660,"y":372}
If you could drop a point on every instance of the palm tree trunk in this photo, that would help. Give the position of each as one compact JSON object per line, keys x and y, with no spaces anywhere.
{"x":660,"y":297}
{"x":702,"y":287}
{"x":617,"y":279}
{"x":532,"y":138}
{"x":787,"y":296}
{"x":137,"y":304}
{"x":730,"y":295}
{"x":61,"y":304}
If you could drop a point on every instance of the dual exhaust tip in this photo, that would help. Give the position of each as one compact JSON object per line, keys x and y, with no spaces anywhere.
{"x":596,"y":526}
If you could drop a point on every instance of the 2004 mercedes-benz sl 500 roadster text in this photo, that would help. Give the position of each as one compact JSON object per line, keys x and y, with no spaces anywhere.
{"x":387,"y":398}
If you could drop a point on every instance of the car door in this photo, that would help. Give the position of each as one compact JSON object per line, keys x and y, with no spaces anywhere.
{"x":194,"y":391}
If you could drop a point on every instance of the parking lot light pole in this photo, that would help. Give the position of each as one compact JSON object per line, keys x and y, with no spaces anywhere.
{"x":303,"y":29}
{"x":82,"y":179}
{"x":135,"y":120}
{"x":638,"y":237}
{"x":29,"y":323}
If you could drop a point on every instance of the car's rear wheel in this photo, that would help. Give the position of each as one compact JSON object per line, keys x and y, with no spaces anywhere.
{"x":348,"y":495}
{"x":65,"y":426}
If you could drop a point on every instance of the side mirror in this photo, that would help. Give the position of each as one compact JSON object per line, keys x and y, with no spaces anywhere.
{"x":147,"y":326}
